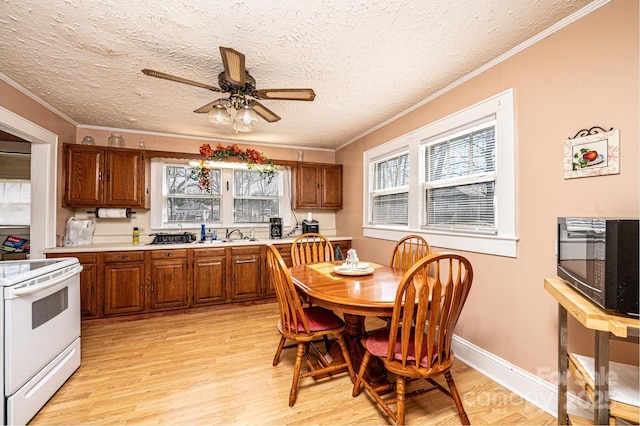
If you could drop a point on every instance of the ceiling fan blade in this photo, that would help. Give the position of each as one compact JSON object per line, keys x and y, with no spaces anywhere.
{"x":165,"y":76}
{"x":264,"y":112}
{"x":233,"y":65}
{"x":285,"y":94}
{"x":207,"y":107}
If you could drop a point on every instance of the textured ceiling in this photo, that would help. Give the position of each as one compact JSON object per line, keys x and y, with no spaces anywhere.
{"x":367,"y":61}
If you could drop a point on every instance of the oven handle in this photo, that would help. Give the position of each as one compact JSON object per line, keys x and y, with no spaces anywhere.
{"x":26,"y":291}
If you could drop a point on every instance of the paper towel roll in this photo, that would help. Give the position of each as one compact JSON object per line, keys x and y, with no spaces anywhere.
{"x":105,"y":213}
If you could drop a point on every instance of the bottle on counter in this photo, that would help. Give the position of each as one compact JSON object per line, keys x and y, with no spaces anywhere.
{"x":252,"y":234}
{"x":136,"y":235}
{"x":203,"y":233}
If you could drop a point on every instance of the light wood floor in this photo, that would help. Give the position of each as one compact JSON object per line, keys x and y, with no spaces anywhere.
{"x":215,"y":368}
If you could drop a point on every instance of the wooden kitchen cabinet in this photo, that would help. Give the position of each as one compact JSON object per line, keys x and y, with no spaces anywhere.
{"x":124,"y":290}
{"x":246,"y":273}
{"x":139,"y":282}
{"x":89,"y":282}
{"x":209,"y":276}
{"x":168,"y":288}
{"x":318,"y":186}
{"x":103,"y":177}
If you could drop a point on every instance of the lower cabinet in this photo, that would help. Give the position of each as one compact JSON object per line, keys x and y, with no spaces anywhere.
{"x":209,"y":276}
{"x":124,"y":283}
{"x":169,"y":285}
{"x":89,"y":283}
{"x":142,"y":281}
{"x":246,"y":272}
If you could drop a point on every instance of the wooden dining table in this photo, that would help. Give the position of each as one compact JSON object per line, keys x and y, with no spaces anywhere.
{"x":355,"y":297}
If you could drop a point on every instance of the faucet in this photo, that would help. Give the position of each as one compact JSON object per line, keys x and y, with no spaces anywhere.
{"x":228,"y":234}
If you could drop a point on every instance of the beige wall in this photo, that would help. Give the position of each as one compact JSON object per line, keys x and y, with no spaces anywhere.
{"x":582,"y":76}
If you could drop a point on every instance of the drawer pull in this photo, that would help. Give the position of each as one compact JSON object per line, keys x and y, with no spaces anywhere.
{"x":169,"y":254}
{"x":124,"y":256}
{"x":246,"y":261}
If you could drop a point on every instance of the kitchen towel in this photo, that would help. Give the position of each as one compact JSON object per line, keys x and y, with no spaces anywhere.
{"x":104,"y":213}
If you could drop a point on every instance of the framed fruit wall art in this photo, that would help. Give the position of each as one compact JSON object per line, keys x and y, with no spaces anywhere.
{"x":592,"y":152}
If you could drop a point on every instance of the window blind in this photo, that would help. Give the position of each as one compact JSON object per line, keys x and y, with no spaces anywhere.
{"x":390,"y":193}
{"x":460,"y":181}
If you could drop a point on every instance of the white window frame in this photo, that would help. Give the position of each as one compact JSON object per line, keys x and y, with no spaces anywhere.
{"x":227,"y":196}
{"x":373,"y":192}
{"x":504,"y":243}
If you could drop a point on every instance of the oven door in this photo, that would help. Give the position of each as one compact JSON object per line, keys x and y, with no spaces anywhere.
{"x":41,"y":320}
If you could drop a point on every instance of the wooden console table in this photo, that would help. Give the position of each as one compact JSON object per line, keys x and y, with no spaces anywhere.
{"x":605,"y":325}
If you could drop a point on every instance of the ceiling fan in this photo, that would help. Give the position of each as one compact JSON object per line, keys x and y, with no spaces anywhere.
{"x":241,"y":86}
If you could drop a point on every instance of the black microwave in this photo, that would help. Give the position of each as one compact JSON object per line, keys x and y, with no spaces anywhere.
{"x":599,"y":257}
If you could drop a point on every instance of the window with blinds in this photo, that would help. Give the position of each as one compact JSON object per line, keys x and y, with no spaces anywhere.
{"x":390,"y":195}
{"x":460,"y":180}
{"x":451,"y":181}
{"x":15,"y":189}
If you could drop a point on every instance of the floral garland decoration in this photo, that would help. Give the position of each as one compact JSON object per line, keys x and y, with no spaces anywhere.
{"x":254,"y":161}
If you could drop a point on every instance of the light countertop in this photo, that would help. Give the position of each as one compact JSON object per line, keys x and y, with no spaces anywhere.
{"x":120,"y":246}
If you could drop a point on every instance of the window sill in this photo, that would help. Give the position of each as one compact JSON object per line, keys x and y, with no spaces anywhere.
{"x":485,"y":244}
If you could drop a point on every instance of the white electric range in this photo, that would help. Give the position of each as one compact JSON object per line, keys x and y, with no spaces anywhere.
{"x":40,"y":332}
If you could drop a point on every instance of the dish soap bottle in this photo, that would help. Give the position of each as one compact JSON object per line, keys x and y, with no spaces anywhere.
{"x":136,"y":235}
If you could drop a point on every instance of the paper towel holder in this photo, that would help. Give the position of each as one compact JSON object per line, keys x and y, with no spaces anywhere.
{"x":112,"y":213}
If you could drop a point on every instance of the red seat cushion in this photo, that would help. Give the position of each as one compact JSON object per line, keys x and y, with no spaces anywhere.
{"x":378,"y":343}
{"x":320,"y":319}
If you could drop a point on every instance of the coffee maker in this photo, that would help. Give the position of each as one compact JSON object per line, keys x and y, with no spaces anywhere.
{"x":310,"y":225}
{"x":275,"y":228}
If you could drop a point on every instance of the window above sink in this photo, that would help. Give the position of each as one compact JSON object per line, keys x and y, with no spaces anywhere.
{"x":238,"y":198}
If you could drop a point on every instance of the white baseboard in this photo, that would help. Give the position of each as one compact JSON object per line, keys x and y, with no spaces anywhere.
{"x":530,"y":387}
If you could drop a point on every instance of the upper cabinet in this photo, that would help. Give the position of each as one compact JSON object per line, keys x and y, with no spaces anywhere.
{"x":103,"y":177}
{"x":318,"y":186}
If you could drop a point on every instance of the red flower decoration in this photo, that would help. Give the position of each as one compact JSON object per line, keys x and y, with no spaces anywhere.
{"x":254,"y":160}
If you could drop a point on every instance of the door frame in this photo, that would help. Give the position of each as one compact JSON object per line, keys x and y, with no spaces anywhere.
{"x":44,"y":154}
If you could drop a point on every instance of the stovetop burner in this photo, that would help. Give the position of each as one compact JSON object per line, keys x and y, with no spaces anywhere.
{"x":184,"y":238}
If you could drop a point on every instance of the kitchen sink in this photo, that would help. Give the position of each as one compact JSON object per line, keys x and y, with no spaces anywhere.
{"x":229,"y":240}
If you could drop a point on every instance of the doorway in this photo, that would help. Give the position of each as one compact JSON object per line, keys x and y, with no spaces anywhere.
{"x":44,"y":150}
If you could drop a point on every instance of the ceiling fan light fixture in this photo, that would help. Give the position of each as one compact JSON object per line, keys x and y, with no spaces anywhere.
{"x":219,"y":115}
{"x":240,"y":126}
{"x":246,"y":115}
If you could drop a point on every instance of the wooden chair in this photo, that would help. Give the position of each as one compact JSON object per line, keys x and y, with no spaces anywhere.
{"x":405,"y":254}
{"x":303,"y":325}
{"x":408,"y":251}
{"x":418,"y":343}
{"x":311,"y":248}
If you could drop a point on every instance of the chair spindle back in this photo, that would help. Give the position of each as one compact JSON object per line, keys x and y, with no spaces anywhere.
{"x":311,"y":248}
{"x":439,"y":284}
{"x":408,"y":251}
